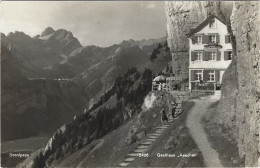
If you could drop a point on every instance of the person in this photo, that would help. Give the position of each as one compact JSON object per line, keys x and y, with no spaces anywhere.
{"x":164,"y":116}
{"x":200,"y":79}
{"x":174,"y":105}
{"x":160,"y":87}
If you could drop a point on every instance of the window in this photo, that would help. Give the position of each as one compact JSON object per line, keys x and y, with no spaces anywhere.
{"x":230,"y":55}
{"x":198,"y":56}
{"x":212,"y":39}
{"x":199,"y":39}
{"x":212,"y":23}
{"x":211,"y":76}
{"x":213,"y":56}
{"x":198,"y":75}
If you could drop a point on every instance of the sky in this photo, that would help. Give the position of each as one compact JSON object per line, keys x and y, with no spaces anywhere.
{"x":93,"y":23}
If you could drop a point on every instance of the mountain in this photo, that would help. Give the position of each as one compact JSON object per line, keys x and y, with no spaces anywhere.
{"x":30,"y":107}
{"x":51,"y":47}
{"x":33,"y":66}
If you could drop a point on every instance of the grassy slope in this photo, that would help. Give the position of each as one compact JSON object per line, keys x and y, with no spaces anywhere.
{"x":221,"y":139}
{"x":112,"y":149}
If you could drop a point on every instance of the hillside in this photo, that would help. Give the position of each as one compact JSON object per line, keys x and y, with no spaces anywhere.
{"x":112,"y":110}
{"x":33,"y":106}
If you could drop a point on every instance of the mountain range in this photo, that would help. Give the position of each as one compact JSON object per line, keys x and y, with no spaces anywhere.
{"x":49,"y":78}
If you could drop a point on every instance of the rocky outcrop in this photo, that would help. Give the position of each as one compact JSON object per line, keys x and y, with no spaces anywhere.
{"x":247,"y":37}
{"x":181,"y":17}
{"x":239,"y":106}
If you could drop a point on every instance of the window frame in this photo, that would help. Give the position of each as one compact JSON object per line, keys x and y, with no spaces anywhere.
{"x":212,"y":76}
{"x":199,"y":41}
{"x":230,"y":55}
{"x":197,"y":74}
{"x":198,"y":55}
{"x":213,"y":55}
{"x":215,"y":38}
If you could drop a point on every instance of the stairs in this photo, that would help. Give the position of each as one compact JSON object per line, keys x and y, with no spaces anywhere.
{"x":143,"y":147}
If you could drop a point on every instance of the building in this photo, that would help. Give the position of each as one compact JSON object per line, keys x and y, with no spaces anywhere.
{"x":210,"y":54}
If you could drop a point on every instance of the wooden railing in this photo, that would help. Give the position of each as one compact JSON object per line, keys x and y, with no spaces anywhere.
{"x":204,"y":86}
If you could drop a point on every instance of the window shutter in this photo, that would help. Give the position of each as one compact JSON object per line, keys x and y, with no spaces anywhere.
{"x":225,"y":55}
{"x":205,"y":75}
{"x":193,"y":39}
{"x":193,"y":56}
{"x":207,"y":56}
{"x":218,"y":55}
{"x":217,"y":75}
{"x":192,"y":75}
{"x":217,"y":38}
{"x":205,"y":39}
{"x":226,"y":39}
{"x":203,"y":56}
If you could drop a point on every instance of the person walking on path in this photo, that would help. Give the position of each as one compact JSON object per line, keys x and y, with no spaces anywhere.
{"x":164,"y":117}
{"x":174,"y":105}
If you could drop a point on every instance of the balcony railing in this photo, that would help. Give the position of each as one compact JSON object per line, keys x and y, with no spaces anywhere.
{"x":204,"y":86}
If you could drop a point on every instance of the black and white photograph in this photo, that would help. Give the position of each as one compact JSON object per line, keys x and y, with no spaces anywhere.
{"x":88,"y":84}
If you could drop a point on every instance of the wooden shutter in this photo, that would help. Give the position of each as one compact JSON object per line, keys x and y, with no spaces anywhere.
{"x":225,"y":55}
{"x":192,"y":75}
{"x":193,"y":39}
{"x":207,"y":56}
{"x":217,"y":38}
{"x":205,"y":39}
{"x":217,"y":75}
{"x":205,"y":75}
{"x":193,"y":56}
{"x":203,"y":56}
{"x":218,"y":55}
{"x":227,"y":38}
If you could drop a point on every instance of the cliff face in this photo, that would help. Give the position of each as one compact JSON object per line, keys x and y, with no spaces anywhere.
{"x":246,"y":33}
{"x":239,"y":106}
{"x":181,"y":17}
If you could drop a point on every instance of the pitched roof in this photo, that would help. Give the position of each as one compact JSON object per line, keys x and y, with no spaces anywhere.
{"x":203,"y":24}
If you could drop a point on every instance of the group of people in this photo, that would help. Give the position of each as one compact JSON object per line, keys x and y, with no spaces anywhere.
{"x":161,"y":86}
{"x":165,"y":117}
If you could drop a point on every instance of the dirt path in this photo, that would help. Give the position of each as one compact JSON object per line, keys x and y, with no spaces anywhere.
{"x":210,"y":155}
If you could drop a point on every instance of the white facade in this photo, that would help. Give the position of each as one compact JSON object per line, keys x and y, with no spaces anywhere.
{"x":210,"y":54}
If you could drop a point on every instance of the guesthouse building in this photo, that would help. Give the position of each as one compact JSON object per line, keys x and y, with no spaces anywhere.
{"x":210,"y":53}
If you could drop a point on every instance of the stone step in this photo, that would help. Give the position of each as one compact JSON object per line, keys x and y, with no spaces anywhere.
{"x":142,"y":147}
{"x":163,"y":127}
{"x":146,"y":143}
{"x":133,"y":154}
{"x":159,"y":131}
{"x":140,"y":150}
{"x":129,"y":159}
{"x":155,"y":134}
{"x":150,"y":139}
{"x":124,"y":164}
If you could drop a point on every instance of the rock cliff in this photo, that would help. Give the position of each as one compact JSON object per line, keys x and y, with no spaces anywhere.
{"x":238,"y":109}
{"x":246,"y":34}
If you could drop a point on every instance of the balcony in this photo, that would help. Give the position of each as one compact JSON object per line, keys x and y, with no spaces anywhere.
{"x":213,"y":45}
{"x":205,"y":86}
